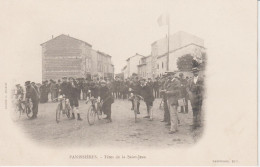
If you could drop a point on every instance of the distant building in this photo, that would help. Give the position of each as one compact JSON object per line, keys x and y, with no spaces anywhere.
{"x":132,"y":62}
{"x":71,"y":57}
{"x":145,"y":67}
{"x":102,"y":65}
{"x":181,"y":44}
{"x":124,"y":72}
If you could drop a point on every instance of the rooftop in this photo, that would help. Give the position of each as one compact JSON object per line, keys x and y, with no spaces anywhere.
{"x":62,"y":35}
{"x":137,"y":54}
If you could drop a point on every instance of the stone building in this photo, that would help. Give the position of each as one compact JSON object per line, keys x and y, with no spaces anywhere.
{"x":71,"y":57}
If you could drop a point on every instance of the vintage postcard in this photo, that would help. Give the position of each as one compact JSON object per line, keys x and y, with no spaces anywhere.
{"x":128,"y":82}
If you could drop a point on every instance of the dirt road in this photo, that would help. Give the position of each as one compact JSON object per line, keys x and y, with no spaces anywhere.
{"x":123,"y":131}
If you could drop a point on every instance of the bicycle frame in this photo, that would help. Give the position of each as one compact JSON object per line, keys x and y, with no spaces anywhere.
{"x":136,"y":100}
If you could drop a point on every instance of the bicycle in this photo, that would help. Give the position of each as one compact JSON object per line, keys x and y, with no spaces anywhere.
{"x":136,"y":99}
{"x":95,"y":109}
{"x":63,"y":108}
{"x":28,"y":108}
{"x":19,"y":108}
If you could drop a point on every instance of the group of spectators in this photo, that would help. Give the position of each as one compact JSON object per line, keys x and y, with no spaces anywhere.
{"x":174,"y":88}
{"x":176,"y":91}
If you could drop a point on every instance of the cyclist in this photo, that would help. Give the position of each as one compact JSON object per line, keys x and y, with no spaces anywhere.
{"x":135,"y":88}
{"x":64,"y":87}
{"x":32,"y":94}
{"x":19,"y":95}
{"x":73,"y":89}
{"x":94,"y":87}
{"x":63,"y":90}
{"x":107,"y":98}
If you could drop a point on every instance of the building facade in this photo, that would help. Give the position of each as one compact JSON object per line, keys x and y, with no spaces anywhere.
{"x":145,"y":67}
{"x":180,"y":44}
{"x":124,"y":71}
{"x":132,"y":62}
{"x":156,"y":64}
{"x":71,"y":57}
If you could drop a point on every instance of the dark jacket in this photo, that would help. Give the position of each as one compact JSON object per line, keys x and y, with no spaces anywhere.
{"x":156,"y":85}
{"x":183,"y":91}
{"x":32,"y":94}
{"x":73,"y":89}
{"x":105,"y":95}
{"x":136,"y":88}
{"x":147,"y":93}
{"x":64,"y":88}
{"x":173,"y":92}
{"x":195,"y":91}
{"x":94,"y":87}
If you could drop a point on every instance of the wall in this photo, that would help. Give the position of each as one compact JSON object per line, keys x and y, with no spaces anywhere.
{"x":132,"y":64}
{"x":180,"y":52}
{"x":62,"y":56}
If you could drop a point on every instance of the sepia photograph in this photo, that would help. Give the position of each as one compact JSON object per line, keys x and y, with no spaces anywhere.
{"x":128,"y":82}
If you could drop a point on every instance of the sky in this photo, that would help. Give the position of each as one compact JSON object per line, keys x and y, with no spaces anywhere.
{"x":119,"y":28}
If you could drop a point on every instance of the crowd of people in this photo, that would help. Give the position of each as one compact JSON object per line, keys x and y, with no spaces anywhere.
{"x":174,"y":88}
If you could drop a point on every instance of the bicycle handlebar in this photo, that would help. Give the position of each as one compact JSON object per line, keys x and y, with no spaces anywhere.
{"x":135,"y":95}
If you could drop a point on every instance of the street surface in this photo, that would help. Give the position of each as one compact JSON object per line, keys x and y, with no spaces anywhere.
{"x":123,"y":131}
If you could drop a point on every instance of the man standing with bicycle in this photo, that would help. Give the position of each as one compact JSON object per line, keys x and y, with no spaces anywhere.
{"x":135,"y":89}
{"x":107,"y":98}
{"x":73,"y":90}
{"x":32,"y":94}
{"x":147,"y":94}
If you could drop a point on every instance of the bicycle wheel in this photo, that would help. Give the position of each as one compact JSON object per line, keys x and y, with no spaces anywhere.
{"x":58,"y":113}
{"x":16,"y":114}
{"x":135,"y":110}
{"x":28,"y":109}
{"x":91,"y":115}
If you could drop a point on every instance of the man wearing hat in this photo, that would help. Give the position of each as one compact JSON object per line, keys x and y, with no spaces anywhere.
{"x":107,"y":98}
{"x":135,"y":88}
{"x":173,"y":95}
{"x":36,"y":88}
{"x":32,"y":94}
{"x":166,"y":80}
{"x":44,"y":92}
{"x":184,"y":94}
{"x":64,"y":87}
{"x":73,"y":89}
{"x":195,"y":88}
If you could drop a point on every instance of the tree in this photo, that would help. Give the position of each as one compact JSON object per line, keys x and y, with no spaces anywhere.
{"x":204,"y":61}
{"x":184,"y":63}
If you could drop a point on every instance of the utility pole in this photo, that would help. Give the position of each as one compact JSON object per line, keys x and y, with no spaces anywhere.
{"x":168,"y":54}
